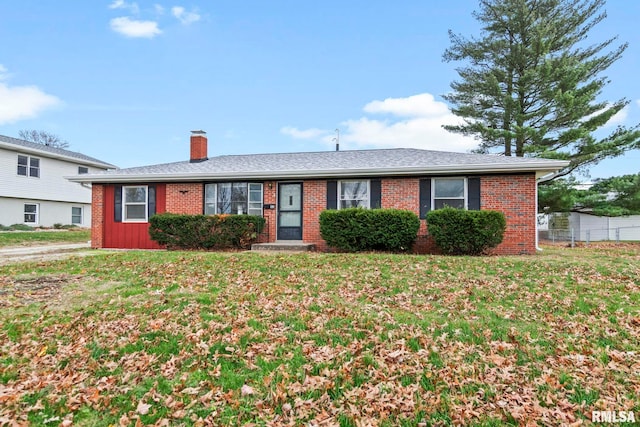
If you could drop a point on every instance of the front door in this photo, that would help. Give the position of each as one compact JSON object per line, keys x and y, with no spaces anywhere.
{"x":290,"y":211}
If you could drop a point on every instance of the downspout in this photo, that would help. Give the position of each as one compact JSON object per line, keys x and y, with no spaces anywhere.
{"x":538,"y":248}
{"x":542,"y":178}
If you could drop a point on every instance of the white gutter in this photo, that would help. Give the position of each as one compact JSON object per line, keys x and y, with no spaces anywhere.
{"x":538,"y":248}
{"x":321,"y":173}
{"x":546,"y":177}
{"x":543,"y":177}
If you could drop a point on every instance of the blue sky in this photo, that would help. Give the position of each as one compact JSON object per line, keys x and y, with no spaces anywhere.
{"x":126,"y":81}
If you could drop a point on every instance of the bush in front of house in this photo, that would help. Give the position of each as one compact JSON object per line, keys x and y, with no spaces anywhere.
{"x":205,"y":231}
{"x":462,"y":232}
{"x":16,"y":227}
{"x":357,"y":229}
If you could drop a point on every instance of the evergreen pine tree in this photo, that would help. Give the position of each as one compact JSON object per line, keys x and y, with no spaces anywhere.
{"x":532,"y":82}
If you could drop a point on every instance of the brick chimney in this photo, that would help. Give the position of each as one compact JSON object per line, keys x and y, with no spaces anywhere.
{"x":198,"y":146}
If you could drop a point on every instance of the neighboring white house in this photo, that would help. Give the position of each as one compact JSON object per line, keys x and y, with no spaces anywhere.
{"x":33,"y":190}
{"x":587,"y":227}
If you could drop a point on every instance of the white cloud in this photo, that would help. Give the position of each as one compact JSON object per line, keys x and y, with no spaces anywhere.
{"x":121,"y":4}
{"x":417,"y":124}
{"x":619,"y":118}
{"x":22,"y":102}
{"x":183,"y":16}
{"x":303,"y":134}
{"x":158,"y":8}
{"x":420,"y":105}
{"x":423,"y":132}
{"x":134,"y":28}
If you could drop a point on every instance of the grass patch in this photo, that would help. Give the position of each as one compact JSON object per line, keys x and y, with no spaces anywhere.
{"x":30,"y":238}
{"x":341,"y":339}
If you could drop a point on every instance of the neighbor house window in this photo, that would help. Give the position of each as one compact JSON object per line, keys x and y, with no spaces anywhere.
{"x":76,"y":215}
{"x":28,"y":166}
{"x":353,"y":194}
{"x":449,"y":192}
{"x":31,"y":213}
{"x":134,"y":206}
{"x":233,"y":198}
{"x":23,"y":165}
{"x":82,"y":170}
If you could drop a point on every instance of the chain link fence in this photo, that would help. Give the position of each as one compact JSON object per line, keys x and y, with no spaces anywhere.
{"x":617,"y":234}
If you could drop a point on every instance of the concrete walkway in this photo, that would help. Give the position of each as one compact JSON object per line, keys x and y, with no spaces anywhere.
{"x":13,"y":254}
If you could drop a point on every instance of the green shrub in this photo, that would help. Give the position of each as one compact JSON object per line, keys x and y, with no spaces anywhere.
{"x":461,"y":232}
{"x":20,"y":227}
{"x":61,"y":226}
{"x":357,"y":229}
{"x":205,"y":231}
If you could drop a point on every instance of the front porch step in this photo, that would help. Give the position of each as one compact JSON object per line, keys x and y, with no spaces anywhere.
{"x":284,"y":246}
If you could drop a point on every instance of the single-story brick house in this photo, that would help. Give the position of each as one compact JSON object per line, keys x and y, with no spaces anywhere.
{"x":291,"y":189}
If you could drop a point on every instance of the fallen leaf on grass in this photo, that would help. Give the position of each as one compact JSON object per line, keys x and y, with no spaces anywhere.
{"x":143,"y":408}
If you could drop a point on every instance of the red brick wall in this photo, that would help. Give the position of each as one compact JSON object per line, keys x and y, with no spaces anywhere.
{"x":269,"y":198}
{"x":514,"y":195}
{"x":404,"y":193}
{"x":397,"y":193}
{"x":97,"y":215}
{"x":314,"y":201}
{"x":185,"y":198}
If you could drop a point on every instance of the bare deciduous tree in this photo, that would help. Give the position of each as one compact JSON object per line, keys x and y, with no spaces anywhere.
{"x":43,"y":137}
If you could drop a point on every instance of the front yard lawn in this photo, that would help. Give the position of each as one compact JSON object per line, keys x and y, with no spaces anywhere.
{"x":27,"y":238}
{"x":188,"y":338}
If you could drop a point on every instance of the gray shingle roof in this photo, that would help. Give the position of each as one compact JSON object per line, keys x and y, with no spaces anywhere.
{"x":48,"y":151}
{"x":398,"y":161}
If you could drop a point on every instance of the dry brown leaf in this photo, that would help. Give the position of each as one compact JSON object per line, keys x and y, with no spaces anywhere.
{"x":247,"y":390}
{"x":143,"y":408}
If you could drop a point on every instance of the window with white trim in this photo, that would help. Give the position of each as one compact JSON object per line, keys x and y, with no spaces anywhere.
{"x":31,"y":213}
{"x":353,"y":194}
{"x":28,"y":166}
{"x":449,"y":192}
{"x":76,"y":215}
{"x":236,"y":198}
{"x":135,"y":203}
{"x":83,"y":170}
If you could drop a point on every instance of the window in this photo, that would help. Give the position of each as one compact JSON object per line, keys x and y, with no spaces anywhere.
{"x":255,"y":199}
{"x":83,"y":170}
{"x":76,"y":215}
{"x":34,"y":167}
{"x":455,"y":192}
{"x":449,"y":192}
{"x":31,"y":213}
{"x":353,"y":194}
{"x":134,"y":206}
{"x":233,"y":198}
{"x":28,"y":166}
{"x":23,"y":162}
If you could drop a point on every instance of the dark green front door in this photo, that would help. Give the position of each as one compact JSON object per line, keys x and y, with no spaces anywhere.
{"x":290,"y":211}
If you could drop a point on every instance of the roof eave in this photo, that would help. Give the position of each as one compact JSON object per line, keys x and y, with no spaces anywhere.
{"x":547,"y":166}
{"x":43,"y":153}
